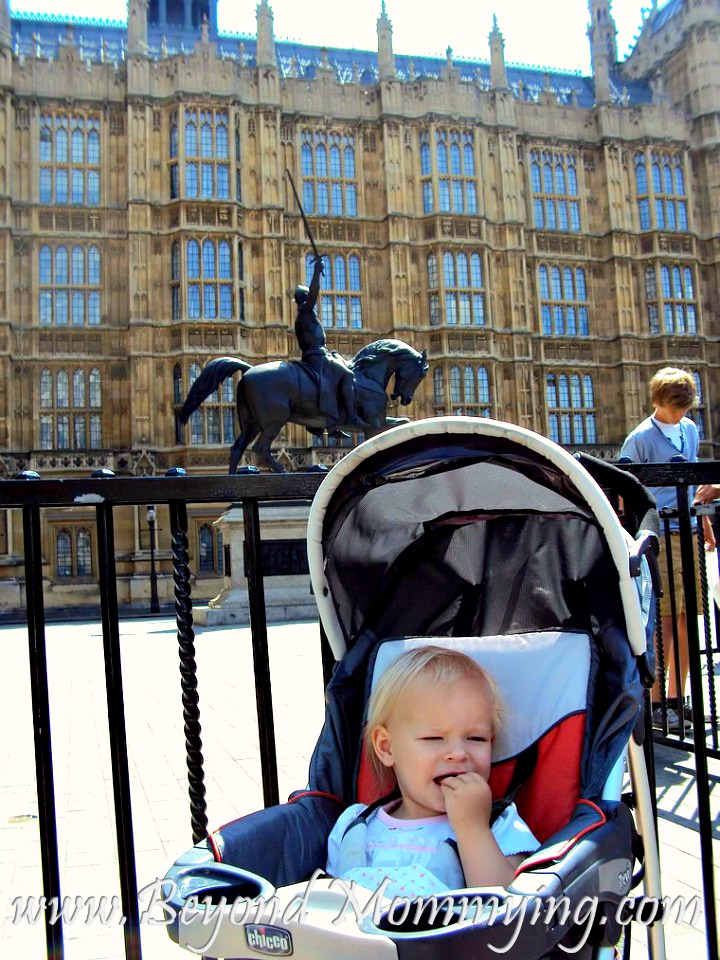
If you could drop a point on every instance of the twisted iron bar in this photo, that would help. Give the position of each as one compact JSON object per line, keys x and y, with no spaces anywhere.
{"x":188,"y":671}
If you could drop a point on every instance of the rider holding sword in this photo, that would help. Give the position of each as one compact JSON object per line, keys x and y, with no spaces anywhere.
{"x":311,"y":340}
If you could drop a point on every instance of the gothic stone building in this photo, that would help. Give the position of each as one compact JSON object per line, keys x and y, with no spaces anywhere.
{"x":550,"y":239}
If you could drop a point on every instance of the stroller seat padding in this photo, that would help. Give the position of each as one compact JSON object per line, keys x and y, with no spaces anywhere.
{"x":544,"y":678}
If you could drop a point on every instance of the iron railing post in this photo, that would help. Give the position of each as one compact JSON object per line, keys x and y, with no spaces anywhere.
{"x":696,"y":691}
{"x":47,"y":818}
{"x":261,"y":662}
{"x":116,"y":726}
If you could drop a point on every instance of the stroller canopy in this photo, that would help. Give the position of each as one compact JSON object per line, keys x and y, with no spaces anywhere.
{"x":456,"y":526}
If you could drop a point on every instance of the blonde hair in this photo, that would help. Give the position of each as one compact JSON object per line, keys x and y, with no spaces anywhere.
{"x":440,"y":665}
{"x":672,"y":387}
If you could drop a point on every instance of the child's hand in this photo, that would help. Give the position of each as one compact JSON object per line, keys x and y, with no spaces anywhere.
{"x":468,"y":800}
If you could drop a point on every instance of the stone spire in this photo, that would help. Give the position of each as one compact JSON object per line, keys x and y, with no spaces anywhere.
{"x":137,"y":27}
{"x":498,"y":73}
{"x":386,"y":57}
{"x":265,"y":50}
{"x":5,"y":30}
{"x":603,"y":46}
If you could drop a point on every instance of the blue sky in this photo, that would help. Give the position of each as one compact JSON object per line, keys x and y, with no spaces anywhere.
{"x":550,"y":34}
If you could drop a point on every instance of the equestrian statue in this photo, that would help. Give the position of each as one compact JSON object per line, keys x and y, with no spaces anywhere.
{"x":321,"y":391}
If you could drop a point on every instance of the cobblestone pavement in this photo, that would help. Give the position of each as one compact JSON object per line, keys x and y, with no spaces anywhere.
{"x":83,"y":780}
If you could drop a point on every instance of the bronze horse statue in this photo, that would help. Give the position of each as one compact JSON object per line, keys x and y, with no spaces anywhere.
{"x":286,"y":391}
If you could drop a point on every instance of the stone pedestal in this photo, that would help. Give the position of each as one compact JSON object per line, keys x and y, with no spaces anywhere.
{"x":283,"y":530}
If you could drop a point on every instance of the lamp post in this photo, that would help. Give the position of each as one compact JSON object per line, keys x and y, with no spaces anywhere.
{"x":154,"y":602}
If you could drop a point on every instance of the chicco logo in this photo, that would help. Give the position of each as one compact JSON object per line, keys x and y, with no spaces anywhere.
{"x":273,"y":941}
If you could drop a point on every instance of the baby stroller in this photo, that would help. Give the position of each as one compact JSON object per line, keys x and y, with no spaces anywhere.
{"x":487,"y":537}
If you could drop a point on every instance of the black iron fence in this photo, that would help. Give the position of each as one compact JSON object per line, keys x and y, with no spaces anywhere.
{"x":176,"y":490}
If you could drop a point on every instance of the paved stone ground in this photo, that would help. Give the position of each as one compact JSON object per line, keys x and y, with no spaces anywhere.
{"x":83,"y":780}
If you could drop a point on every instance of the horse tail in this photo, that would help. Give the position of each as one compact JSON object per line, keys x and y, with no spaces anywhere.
{"x":212,"y":375}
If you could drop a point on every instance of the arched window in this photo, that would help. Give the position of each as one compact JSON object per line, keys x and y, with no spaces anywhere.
{"x":469,"y":391}
{"x":438,"y":387}
{"x":46,"y":265}
{"x":483,"y":387}
{"x":210,"y":551}
{"x":78,"y":266}
{"x":209,"y":288}
{"x":72,"y":289}
{"x":564,"y":303}
{"x":63,"y":555}
{"x":441,"y":153}
{"x":663,"y":199}
{"x":62,"y":394}
{"x":544,"y":283}
{"x":61,"y":265}
{"x":454,"y":187}
{"x":570,"y":406}
{"x":224,"y":260}
{"x":330,"y":191}
{"x":206,"y":544}
{"x":670,"y":299}
{"x":173,"y":137}
{"x":177,"y":384}
{"x":208,"y":260}
{"x":641,"y":182}
{"x":66,"y":421}
{"x":46,"y":388}
{"x":449,"y":269}
{"x":535,"y":181}
{"x":73,"y":553}
{"x":207,"y":172}
{"x":464,"y":299}
{"x":554,"y":189}
{"x":455,"y":386}
{"x":95,"y":390}
{"x":306,"y":156}
{"x":93,"y":266}
{"x":84,"y":554}
{"x":79,"y":388}
{"x":469,"y":378}
{"x":468,"y":156}
{"x":69,"y":167}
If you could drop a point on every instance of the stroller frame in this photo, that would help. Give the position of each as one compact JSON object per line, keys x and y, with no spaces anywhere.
{"x":199,"y":874}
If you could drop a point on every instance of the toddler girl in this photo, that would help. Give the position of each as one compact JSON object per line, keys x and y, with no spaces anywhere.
{"x":430,"y":726}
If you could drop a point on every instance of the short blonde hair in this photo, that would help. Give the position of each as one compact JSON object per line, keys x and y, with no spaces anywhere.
{"x":672,"y":387}
{"x":440,"y":665}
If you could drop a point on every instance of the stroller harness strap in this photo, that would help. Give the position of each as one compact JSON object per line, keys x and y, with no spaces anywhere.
{"x":445,"y":863}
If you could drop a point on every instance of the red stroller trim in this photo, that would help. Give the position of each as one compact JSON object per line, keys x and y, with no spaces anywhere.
{"x":216,"y":851}
{"x":553,"y":855}
{"x":314,"y":793}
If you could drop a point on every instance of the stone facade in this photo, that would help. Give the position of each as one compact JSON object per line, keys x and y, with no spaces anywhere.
{"x":550,"y":239}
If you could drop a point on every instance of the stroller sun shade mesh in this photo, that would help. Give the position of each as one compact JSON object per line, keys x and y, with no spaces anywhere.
{"x":470,"y":549}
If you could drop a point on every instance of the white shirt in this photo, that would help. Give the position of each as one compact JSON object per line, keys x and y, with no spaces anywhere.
{"x":402,"y":850}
